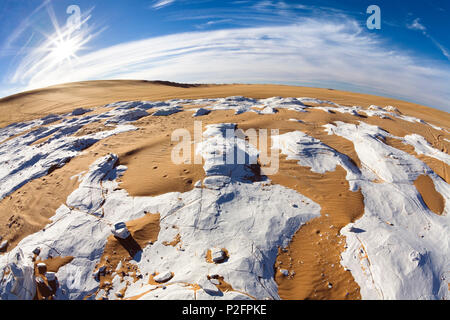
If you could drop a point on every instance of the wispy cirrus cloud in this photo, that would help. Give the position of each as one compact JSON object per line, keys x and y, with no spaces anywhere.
{"x":315,"y":52}
{"x":212,"y":23}
{"x":8,"y":47}
{"x":159,"y":4}
{"x":417,"y":25}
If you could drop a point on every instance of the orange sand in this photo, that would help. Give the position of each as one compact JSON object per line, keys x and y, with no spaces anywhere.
{"x":143,"y":231}
{"x":430,"y":196}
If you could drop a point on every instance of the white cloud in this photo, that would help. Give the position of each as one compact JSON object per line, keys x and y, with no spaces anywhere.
{"x":416,"y":25}
{"x":162,"y":3}
{"x":280,"y":5}
{"x":444,"y":51}
{"x":27,"y":22}
{"x":212,"y":23}
{"x":312,"y":52}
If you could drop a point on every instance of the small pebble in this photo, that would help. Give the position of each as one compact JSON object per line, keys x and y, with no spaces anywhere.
{"x":284,"y":272}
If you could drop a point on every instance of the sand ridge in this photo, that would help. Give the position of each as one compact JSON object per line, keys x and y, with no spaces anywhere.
{"x":314,"y":252}
{"x":67,"y":97}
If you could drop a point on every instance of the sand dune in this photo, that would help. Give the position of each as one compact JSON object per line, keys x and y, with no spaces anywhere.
{"x":66,"y":97}
{"x":411,"y":136}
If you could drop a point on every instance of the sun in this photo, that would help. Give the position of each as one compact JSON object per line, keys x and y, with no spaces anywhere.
{"x":65,"y":49}
{"x":62,"y":46}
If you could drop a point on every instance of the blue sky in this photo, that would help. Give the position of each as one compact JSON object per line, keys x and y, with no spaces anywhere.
{"x":319,"y":43}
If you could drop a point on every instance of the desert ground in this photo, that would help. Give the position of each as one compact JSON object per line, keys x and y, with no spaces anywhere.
{"x":350,"y":161}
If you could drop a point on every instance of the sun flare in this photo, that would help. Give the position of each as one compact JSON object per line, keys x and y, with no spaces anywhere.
{"x":65,"y":49}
